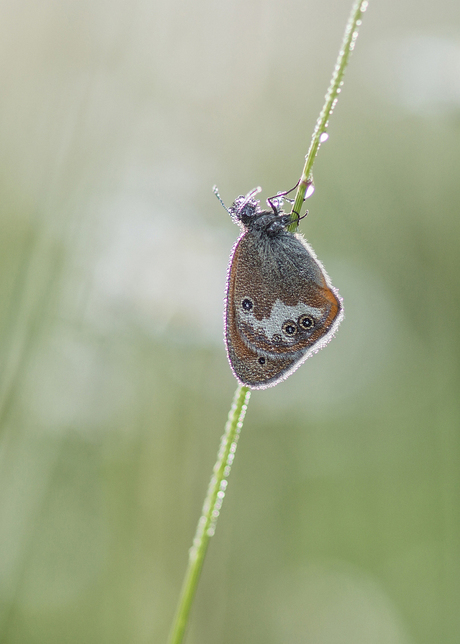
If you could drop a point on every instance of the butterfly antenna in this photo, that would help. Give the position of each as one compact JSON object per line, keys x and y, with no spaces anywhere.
{"x":216,"y":192}
{"x":250,"y":195}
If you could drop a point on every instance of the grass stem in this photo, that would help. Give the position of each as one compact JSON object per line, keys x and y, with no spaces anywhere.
{"x":218,"y":484}
{"x":330,"y":101}
{"x":210,"y":513}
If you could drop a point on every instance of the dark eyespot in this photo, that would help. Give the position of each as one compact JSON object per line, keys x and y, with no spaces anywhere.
{"x":261,"y":360}
{"x":306,"y":321}
{"x":247,"y":304}
{"x":289,"y":328}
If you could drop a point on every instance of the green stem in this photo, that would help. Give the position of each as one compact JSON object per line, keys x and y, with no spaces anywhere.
{"x":218,"y":484}
{"x":330,"y":101}
{"x":210,"y":513}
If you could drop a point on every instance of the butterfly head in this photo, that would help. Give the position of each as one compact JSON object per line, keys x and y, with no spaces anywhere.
{"x":246,"y":211}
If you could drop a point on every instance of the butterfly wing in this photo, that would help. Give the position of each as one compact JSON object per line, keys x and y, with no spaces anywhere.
{"x":251,"y":367}
{"x":283,"y":299}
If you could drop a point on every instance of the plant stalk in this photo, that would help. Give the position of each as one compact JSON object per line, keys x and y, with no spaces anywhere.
{"x":218,"y":484}
{"x":210,"y":513}
{"x":330,"y":101}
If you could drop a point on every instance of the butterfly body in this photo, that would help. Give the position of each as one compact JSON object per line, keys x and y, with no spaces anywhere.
{"x":280,"y":304}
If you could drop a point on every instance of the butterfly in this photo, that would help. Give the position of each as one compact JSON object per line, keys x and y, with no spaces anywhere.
{"x":280,"y":305}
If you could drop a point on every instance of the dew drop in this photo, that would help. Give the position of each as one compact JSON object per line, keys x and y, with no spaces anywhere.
{"x":310,"y":191}
{"x":324,"y":137}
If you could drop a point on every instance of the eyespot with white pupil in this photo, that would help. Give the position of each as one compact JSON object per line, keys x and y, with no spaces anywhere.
{"x":306,"y":322}
{"x":247,"y":304}
{"x":289,"y":328}
{"x":261,"y":360}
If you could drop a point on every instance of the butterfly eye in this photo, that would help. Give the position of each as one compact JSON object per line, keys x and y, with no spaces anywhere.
{"x":247,"y":304}
{"x":261,"y":360}
{"x":306,"y":321}
{"x":289,"y":328}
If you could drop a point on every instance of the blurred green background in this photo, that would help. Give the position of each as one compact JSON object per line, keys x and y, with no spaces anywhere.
{"x":341,"y":522}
